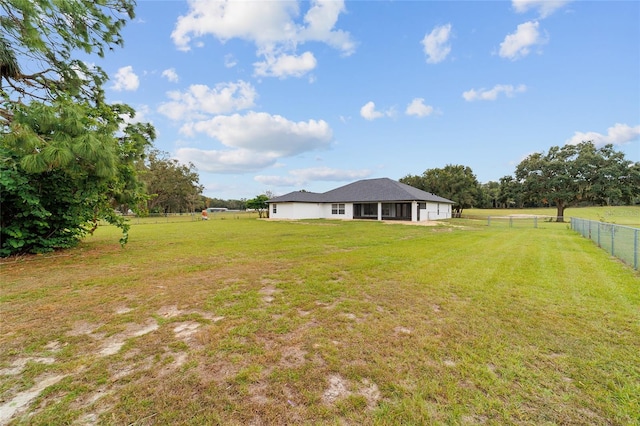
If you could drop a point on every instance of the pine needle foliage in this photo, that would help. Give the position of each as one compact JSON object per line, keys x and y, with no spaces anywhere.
{"x":59,"y":179}
{"x":66,"y":156}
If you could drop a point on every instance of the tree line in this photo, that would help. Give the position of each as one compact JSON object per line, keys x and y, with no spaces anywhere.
{"x":565,"y":176}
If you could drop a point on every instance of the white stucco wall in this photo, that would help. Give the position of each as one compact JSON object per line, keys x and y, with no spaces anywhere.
{"x":436,"y":211}
{"x":324,"y":211}
{"x":296,"y":211}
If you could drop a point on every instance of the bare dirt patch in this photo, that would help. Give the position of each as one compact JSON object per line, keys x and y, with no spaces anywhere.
{"x":172,"y":311}
{"x":123,"y":310}
{"x":169,"y":311}
{"x":112,"y":344}
{"x":83,"y":327}
{"x":402,"y":330}
{"x":406,"y":222}
{"x":371,"y":393}
{"x":19,"y":365}
{"x":184,"y":330}
{"x":340,"y":388}
{"x":292,"y":357}
{"x":268,"y":291}
{"x":23,"y":399}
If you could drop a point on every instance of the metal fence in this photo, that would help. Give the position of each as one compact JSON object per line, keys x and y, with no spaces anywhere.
{"x":621,"y":241}
{"x":155,"y":218}
{"x":518,"y":221}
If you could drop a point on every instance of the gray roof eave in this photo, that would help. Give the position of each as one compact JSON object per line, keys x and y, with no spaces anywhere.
{"x":364,"y":191}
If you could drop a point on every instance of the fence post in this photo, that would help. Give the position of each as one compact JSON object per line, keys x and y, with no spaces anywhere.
{"x":510,"y":222}
{"x":599,"y":235}
{"x":488,"y":220}
{"x":535,"y":222}
{"x":613,"y":241}
{"x":635,"y":249}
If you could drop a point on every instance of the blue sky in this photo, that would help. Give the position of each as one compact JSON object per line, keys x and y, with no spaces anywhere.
{"x":282,"y":95}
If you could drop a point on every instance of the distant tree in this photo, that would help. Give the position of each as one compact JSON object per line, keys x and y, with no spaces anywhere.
{"x":489,"y":195}
{"x":260,"y":205}
{"x":454,"y":182}
{"x":572,"y":174}
{"x":607,"y":177}
{"x":510,"y":193}
{"x":417,"y":181}
{"x":172,"y":187}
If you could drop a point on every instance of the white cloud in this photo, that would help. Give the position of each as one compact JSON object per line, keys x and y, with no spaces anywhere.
{"x":518,"y":45}
{"x":285,"y":65}
{"x":436,"y":45}
{"x":273,"y":26}
{"x":200,"y":99}
{"x":618,"y":134}
{"x":368,"y":112}
{"x":171,"y":75}
{"x":262,"y":132}
{"x":264,"y":23}
{"x":91,"y":66}
{"x":299,"y":177}
{"x":492,"y":94}
{"x":230,"y":61}
{"x":329,"y":174}
{"x":545,"y":7}
{"x":278,"y":180}
{"x":140,"y":116}
{"x":226,"y":161}
{"x":321,"y":18}
{"x":126,"y":79}
{"x":256,"y":141}
{"x":418,"y":108}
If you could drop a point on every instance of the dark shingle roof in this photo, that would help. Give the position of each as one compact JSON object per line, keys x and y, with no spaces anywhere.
{"x":298,"y":197}
{"x":367,"y":190}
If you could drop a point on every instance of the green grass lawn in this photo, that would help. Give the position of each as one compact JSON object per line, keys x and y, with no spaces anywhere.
{"x":243,"y":321}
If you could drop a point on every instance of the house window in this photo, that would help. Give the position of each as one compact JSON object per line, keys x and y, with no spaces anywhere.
{"x":337,"y":208}
{"x":275,"y":208}
{"x":370,"y":209}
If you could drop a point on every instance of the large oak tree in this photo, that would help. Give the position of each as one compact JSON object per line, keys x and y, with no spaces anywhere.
{"x":567,"y":175}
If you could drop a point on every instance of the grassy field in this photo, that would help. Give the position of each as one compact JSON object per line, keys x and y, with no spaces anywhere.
{"x":619,"y":215}
{"x":244,"y":321}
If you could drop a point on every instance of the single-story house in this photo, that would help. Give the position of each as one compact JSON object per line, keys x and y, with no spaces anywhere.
{"x":377,"y":199}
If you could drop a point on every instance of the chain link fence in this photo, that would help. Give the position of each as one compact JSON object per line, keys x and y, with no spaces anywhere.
{"x":515,"y":221}
{"x":156,"y":218}
{"x":621,"y":241}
